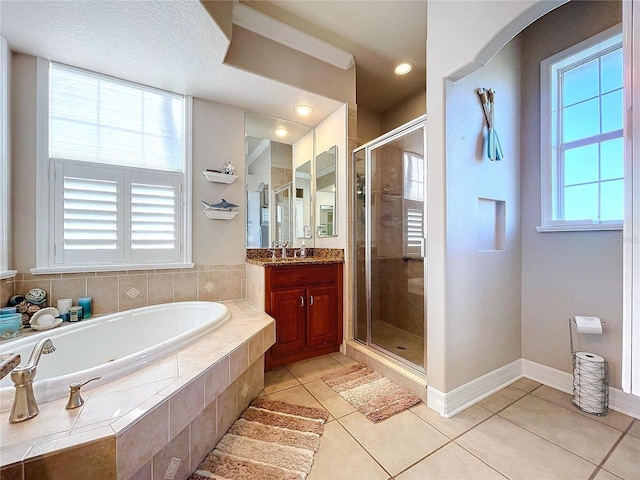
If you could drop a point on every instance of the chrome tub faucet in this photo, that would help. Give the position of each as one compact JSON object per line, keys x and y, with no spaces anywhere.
{"x":24,"y":403}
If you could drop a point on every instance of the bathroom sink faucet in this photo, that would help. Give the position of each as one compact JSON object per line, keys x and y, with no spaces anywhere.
{"x":284,"y":250}
{"x":24,"y":403}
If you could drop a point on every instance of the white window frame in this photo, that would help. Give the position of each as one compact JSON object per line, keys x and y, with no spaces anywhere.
{"x":548,"y":150}
{"x":5,"y":168}
{"x":45,"y":180}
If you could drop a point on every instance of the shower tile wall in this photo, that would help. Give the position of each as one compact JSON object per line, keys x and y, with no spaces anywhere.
{"x":123,"y":290}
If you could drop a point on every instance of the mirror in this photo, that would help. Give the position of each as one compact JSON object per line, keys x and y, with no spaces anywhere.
{"x":274,"y":150}
{"x":325,"y":177}
{"x":303,"y":201}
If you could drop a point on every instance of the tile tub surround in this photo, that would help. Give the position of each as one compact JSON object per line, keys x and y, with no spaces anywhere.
{"x":143,"y":416}
{"x":123,"y":290}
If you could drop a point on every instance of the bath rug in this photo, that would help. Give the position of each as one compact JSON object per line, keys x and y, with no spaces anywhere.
{"x":270,"y":441}
{"x":373,"y":395}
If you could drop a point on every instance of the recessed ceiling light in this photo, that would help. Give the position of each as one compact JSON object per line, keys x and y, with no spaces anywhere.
{"x":303,"y":110}
{"x":281,"y":132}
{"x":403,"y":68}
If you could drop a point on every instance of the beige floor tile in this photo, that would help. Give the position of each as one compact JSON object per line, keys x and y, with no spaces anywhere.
{"x":635,"y":429}
{"x":582,"y":436}
{"x":625,"y":459}
{"x":525,"y":384}
{"x":333,"y":402}
{"x":452,"y":427}
{"x":343,"y":359}
{"x":604,"y":475}
{"x":278,"y":379}
{"x":397,"y":442}
{"x":335,"y":444}
{"x":295,"y":395}
{"x":501,"y":399}
{"x":314,"y":368}
{"x":520,"y":454}
{"x":450,"y":462}
{"x":613,"y":419}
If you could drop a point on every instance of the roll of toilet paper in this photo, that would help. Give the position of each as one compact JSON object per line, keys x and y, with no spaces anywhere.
{"x":589,"y":382}
{"x":591,"y":325}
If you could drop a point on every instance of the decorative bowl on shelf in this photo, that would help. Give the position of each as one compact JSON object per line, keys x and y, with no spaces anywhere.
{"x":10,"y":325}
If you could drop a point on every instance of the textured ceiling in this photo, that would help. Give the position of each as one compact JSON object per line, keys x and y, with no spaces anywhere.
{"x":173,"y":45}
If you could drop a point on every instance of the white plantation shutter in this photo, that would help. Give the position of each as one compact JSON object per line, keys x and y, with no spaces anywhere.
{"x":415,"y":234}
{"x":86,"y":214}
{"x":155,"y":216}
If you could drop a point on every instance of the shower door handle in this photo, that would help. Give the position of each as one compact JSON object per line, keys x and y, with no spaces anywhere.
{"x":301,"y":301}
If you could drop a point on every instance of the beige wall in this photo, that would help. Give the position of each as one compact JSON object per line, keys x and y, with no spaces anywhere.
{"x":564,"y":273}
{"x":483,"y":287}
{"x":410,"y":109}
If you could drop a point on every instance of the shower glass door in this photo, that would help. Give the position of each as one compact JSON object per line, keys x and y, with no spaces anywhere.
{"x":389,"y":220}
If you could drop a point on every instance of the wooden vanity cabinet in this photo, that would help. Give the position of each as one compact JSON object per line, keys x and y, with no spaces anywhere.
{"x":306,"y":302}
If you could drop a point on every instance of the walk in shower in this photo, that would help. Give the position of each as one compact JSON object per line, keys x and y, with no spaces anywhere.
{"x":389,"y":210}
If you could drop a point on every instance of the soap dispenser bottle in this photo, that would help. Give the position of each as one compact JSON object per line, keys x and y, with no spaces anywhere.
{"x":303,"y":250}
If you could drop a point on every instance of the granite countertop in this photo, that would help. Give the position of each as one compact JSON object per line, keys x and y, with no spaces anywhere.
{"x":8,"y":361}
{"x":315,"y":256}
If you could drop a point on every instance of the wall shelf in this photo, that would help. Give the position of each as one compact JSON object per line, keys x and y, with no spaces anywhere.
{"x":219,"y":177}
{"x":219,"y":214}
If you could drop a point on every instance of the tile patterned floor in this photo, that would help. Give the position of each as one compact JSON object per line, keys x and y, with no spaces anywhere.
{"x":525,"y":431}
{"x":390,"y":337}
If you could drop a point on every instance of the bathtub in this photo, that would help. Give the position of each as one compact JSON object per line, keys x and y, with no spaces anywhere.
{"x":113,"y":345}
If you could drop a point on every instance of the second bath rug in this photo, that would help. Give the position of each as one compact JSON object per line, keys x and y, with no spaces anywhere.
{"x":373,"y":395}
{"x":271,"y":440}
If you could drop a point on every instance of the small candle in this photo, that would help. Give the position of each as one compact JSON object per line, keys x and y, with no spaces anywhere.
{"x":85,"y":303}
{"x":64,"y":304}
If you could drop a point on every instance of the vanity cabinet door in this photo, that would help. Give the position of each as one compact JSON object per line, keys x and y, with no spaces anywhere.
{"x":322,"y":325}
{"x":288,"y":308}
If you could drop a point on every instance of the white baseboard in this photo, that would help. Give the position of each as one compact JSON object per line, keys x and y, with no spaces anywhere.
{"x":618,"y":400}
{"x":450,"y":403}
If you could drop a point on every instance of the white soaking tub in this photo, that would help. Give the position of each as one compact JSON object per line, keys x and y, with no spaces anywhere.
{"x":113,"y":345}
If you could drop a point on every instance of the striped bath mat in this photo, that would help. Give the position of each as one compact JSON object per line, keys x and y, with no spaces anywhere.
{"x":270,"y":441}
{"x":373,"y":395}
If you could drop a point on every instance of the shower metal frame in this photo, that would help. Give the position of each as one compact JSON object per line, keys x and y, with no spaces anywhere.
{"x":380,"y":141}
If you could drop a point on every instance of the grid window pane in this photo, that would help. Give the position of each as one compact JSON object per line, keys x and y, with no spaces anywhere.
{"x":612,"y":200}
{"x":580,"y":83}
{"x":612,"y":107}
{"x":581,"y":202}
{"x":581,"y":165}
{"x":611,"y":71}
{"x":611,"y":159}
{"x":581,"y":120}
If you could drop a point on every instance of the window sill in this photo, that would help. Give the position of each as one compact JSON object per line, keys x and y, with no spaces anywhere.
{"x":7,"y":274}
{"x":579,"y":228}
{"x":108,"y":268}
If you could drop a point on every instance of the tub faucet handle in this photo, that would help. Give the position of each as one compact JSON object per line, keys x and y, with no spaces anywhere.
{"x":75,"y":399}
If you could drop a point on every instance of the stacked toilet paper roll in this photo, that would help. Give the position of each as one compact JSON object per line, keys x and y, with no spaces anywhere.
{"x":589,"y":381}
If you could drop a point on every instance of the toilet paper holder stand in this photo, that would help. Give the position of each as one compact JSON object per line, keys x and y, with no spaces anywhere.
{"x":591,"y":386}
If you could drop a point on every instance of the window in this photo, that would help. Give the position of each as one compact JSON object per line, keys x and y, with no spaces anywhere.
{"x":581,"y":140}
{"x":114,"y":165}
{"x":413,"y":204}
{"x":5,"y":195}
